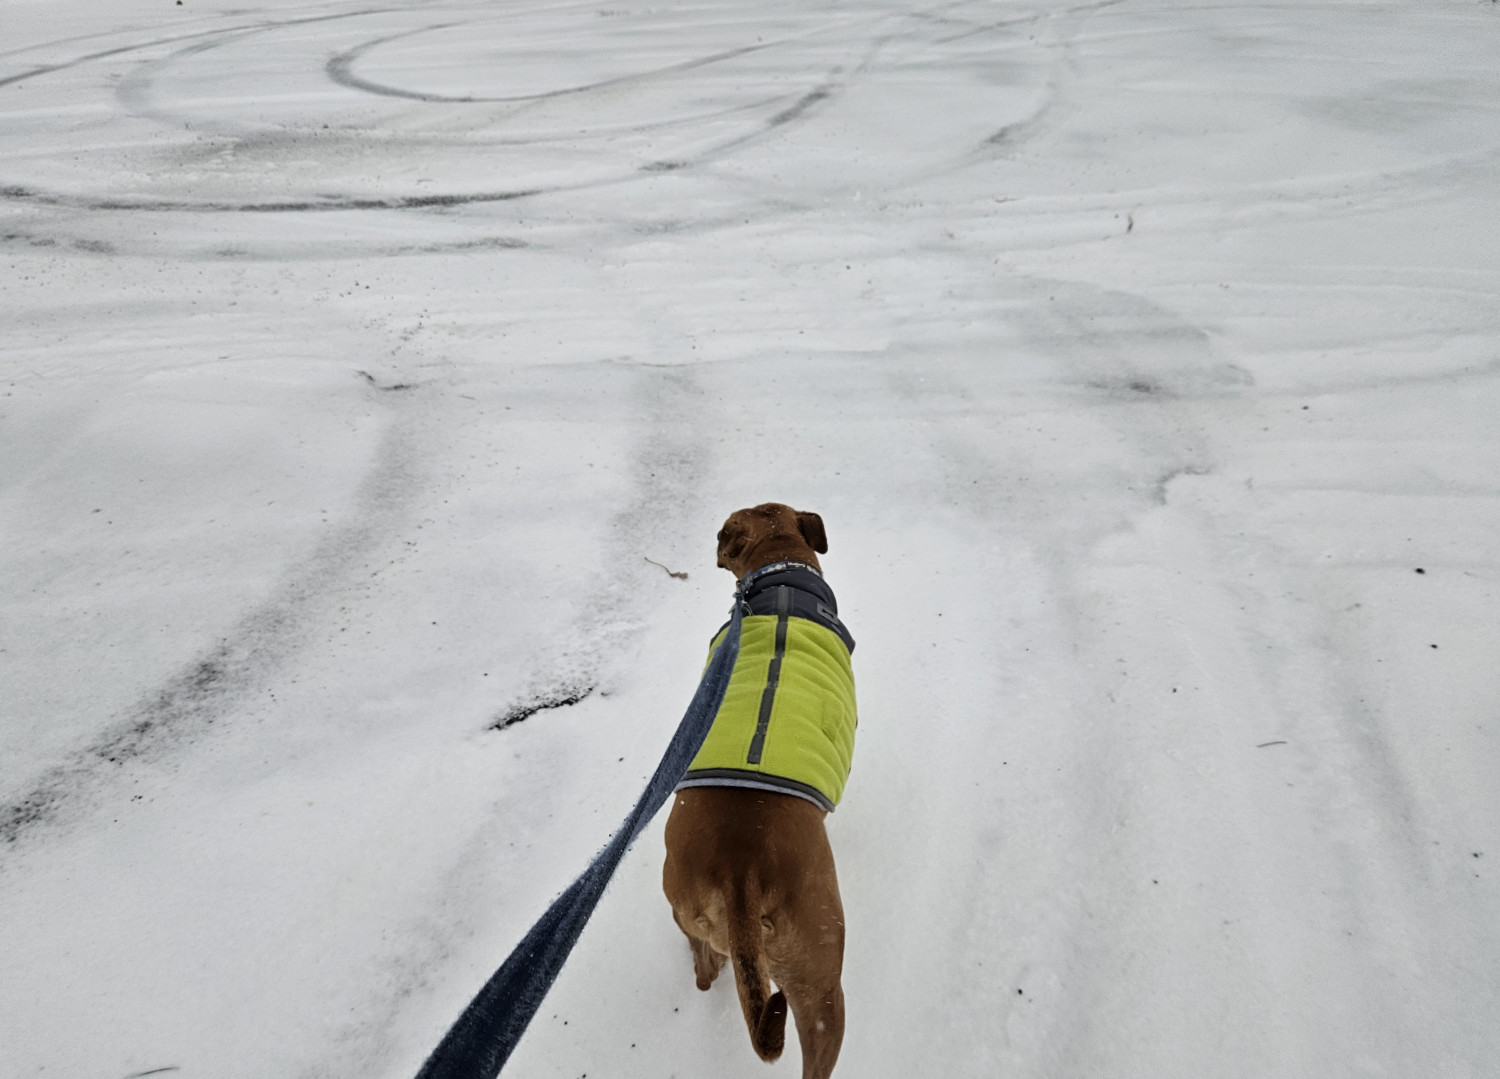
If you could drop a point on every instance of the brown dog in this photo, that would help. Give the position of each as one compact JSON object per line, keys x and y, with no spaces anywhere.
{"x":749,"y":871}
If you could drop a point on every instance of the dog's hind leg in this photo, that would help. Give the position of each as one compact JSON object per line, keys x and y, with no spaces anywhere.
{"x":706,"y":962}
{"x":819,"y":1014}
{"x":809,"y":967}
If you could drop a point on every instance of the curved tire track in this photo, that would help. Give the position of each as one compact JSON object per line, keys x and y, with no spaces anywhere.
{"x":183,"y":711}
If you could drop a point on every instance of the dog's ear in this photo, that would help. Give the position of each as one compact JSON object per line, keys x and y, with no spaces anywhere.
{"x":811,"y":527}
{"x":731,"y":543}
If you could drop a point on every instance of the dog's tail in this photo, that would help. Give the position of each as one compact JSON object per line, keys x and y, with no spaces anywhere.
{"x":765,"y":1012}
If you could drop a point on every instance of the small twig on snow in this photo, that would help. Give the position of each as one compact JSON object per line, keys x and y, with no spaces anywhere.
{"x":670,"y":573}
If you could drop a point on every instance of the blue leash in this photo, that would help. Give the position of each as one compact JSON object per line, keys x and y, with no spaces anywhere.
{"x":481,"y":1041}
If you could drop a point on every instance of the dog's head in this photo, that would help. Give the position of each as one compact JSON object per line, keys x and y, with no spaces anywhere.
{"x":770,"y":532}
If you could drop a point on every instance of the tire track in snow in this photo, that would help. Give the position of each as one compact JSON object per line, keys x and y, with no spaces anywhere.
{"x":157,"y":42}
{"x":1147,"y":586}
{"x":672,"y":456}
{"x":187,"y":708}
{"x":670,"y":462}
{"x":340,"y":69}
{"x":1086,"y":452}
{"x":768,"y":110}
{"x":329,"y":204}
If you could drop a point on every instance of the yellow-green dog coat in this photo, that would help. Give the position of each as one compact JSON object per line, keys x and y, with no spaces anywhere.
{"x":788,"y":717}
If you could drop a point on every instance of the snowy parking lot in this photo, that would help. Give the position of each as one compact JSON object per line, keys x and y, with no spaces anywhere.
{"x":1141,"y":356}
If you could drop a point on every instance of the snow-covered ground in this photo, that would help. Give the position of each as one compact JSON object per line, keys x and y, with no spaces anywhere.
{"x":1142,"y":356}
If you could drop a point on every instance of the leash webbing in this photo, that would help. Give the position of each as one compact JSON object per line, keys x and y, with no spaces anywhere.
{"x":479,"y":1043}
